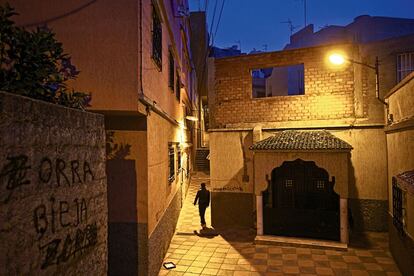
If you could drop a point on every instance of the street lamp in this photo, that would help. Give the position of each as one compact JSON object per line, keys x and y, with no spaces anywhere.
{"x":339,"y":59}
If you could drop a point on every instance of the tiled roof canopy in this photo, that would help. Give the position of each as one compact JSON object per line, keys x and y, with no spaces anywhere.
{"x":406,"y":181}
{"x":302,"y":140}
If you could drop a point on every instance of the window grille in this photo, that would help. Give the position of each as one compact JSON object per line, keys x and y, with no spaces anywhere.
{"x":171,"y":70}
{"x":178,"y":161}
{"x":289,"y":183}
{"x":171,"y":175}
{"x":156,"y":39}
{"x":397,"y":206}
{"x":320,"y":184}
{"x":405,"y":65}
{"x":178,"y":88}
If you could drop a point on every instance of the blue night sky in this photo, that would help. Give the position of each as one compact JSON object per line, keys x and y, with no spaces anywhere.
{"x":256,"y":23}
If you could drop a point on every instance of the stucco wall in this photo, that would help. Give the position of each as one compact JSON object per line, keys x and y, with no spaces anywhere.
{"x":127,"y":198}
{"x":155,"y":81}
{"x":53,"y":197}
{"x":400,"y":145}
{"x":363,"y":180}
{"x":102,"y":39}
{"x":164,"y":197}
{"x":336,"y":164}
{"x":231,"y":161}
{"x":401,"y":100}
{"x":400,"y":159}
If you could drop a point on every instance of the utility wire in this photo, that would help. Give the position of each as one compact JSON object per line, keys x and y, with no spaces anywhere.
{"x":212,"y":22}
{"x":218,"y":22}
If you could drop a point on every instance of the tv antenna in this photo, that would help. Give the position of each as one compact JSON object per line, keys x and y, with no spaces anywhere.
{"x":305,"y":11}
{"x":239,"y":42}
{"x":291,"y":27}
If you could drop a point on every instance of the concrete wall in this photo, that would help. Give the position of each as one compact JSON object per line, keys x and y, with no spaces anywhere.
{"x":400,"y":145}
{"x":53,"y":198}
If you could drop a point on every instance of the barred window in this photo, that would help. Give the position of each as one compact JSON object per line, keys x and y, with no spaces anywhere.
{"x":405,"y":65}
{"x":320,"y":184}
{"x":178,"y":88}
{"x":288,"y":183}
{"x":156,"y":38}
{"x":397,"y":206}
{"x":178,"y":161}
{"x":171,"y":175}
{"x":171,"y":69}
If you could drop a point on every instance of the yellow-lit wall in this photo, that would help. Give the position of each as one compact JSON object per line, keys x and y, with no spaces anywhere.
{"x":137,"y":141}
{"x":102,"y":39}
{"x":400,"y":140}
{"x":160,"y":190}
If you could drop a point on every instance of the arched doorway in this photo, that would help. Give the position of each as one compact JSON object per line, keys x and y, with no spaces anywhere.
{"x":300,"y":202}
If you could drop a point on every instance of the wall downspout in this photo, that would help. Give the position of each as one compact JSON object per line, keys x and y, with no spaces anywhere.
{"x":141,"y":90}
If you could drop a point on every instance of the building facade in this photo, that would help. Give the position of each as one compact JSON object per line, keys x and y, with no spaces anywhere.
{"x":341,"y":101}
{"x":400,"y":145}
{"x":135,"y":59}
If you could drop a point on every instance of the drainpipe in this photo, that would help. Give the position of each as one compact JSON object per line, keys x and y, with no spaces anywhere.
{"x":141,"y":90}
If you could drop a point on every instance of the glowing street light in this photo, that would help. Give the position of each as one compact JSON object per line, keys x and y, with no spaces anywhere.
{"x":339,"y":59}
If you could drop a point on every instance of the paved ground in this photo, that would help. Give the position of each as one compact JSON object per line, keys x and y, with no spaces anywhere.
{"x":232,"y":251}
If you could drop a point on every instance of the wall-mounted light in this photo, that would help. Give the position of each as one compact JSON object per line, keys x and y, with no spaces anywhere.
{"x":339,"y":59}
{"x":191,"y":118}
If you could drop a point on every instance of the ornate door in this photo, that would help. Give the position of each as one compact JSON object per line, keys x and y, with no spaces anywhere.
{"x":300,"y":202}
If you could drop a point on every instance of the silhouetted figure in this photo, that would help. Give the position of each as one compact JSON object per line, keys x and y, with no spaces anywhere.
{"x":203,"y":197}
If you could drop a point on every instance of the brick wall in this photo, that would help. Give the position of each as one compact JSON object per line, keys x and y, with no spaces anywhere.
{"x":329,"y":93}
{"x":53,"y":208}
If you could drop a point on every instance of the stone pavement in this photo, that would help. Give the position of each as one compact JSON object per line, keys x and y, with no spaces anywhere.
{"x":233,"y":252}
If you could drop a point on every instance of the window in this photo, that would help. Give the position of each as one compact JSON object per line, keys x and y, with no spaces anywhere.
{"x":171,"y":70}
{"x":405,"y":65}
{"x":178,"y":160}
{"x":178,"y":88}
{"x":288,"y":183}
{"x":188,"y":166}
{"x":320,"y":184}
{"x":397,"y":206}
{"x":278,"y":81}
{"x":171,"y":175}
{"x":156,"y":38}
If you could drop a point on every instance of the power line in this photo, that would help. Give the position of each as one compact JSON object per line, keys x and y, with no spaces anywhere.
{"x":218,"y":22}
{"x":212,"y":21}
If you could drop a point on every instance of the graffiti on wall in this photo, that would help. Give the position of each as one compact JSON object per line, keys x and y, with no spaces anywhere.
{"x":15,"y":174}
{"x":61,"y":225}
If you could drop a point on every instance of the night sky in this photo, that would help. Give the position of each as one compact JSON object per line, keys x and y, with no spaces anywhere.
{"x":257,"y":23}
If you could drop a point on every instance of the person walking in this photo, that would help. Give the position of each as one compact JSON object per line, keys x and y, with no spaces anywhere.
{"x":203,"y":198}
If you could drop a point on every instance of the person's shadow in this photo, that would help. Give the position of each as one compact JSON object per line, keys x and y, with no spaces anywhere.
{"x":206,"y":232}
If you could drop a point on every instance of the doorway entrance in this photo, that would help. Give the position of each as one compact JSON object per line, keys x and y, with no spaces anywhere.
{"x":300,"y":202}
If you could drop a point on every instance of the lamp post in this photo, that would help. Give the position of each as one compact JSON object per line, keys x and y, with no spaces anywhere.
{"x":338,"y":59}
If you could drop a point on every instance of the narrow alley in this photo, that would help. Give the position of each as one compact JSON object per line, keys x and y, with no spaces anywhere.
{"x":233,"y":252}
